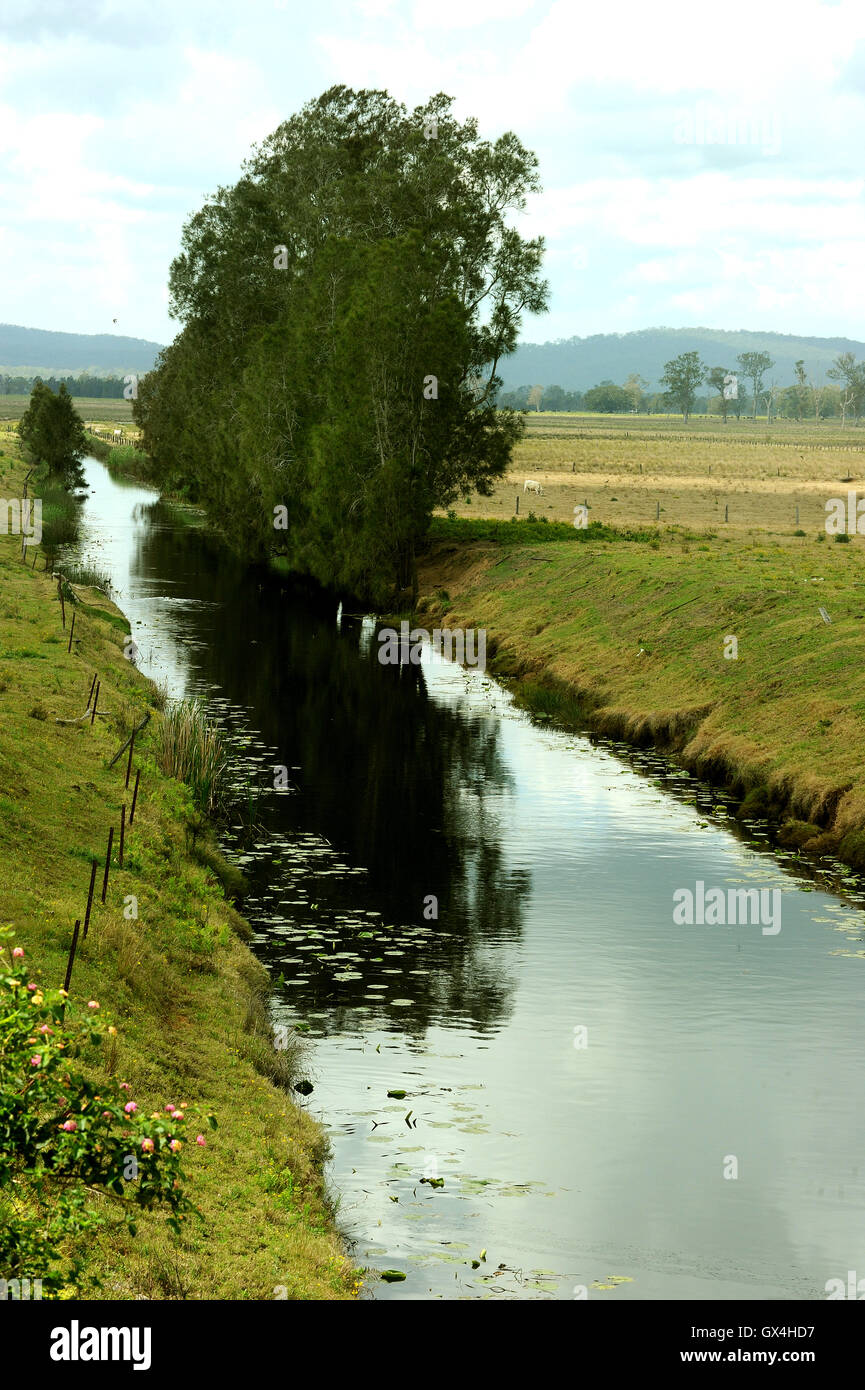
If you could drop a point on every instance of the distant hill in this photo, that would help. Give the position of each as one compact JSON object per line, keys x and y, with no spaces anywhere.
{"x":578,"y":363}
{"x":572,"y":363}
{"x":24,"y":351}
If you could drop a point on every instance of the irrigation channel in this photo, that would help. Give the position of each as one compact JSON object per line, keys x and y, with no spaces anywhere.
{"x":598,"y":1101}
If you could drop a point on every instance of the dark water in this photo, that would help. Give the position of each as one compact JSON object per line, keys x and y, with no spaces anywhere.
{"x":579,"y":1070}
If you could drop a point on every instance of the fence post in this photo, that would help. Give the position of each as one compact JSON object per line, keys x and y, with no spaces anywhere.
{"x":72,"y":950}
{"x":90,"y":898}
{"x":107,"y":862}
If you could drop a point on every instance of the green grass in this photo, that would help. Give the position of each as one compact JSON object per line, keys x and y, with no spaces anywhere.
{"x":629,"y":640}
{"x":178,"y":980}
{"x":527,"y":531}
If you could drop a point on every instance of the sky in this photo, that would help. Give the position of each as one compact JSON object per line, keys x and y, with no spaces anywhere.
{"x":700,"y":165}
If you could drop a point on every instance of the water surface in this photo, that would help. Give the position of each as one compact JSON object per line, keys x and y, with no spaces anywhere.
{"x":460,"y":903}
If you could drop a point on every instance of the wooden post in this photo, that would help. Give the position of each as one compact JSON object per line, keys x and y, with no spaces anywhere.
{"x":62,"y":604}
{"x":107,"y":862}
{"x":72,"y":950}
{"x":129,"y":762}
{"x":657,"y":511}
{"x":726,"y":513}
{"x":134,"y":795}
{"x":92,"y":688}
{"x":71,"y":635}
{"x":517,"y":508}
{"x":90,"y":898}
{"x":122,"y":834}
{"x":95,"y":701}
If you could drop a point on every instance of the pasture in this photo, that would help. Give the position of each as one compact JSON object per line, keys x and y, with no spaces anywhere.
{"x":644,"y":470}
{"x":92,"y":409}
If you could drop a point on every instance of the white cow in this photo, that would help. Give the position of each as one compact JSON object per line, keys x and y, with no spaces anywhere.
{"x":531,"y":486}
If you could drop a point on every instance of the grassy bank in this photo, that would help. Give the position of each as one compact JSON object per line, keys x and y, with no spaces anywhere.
{"x":178,"y":980}
{"x":628,"y":637}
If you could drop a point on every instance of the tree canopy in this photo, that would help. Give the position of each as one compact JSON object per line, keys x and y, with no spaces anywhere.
{"x":54,"y":433}
{"x":345,"y":307}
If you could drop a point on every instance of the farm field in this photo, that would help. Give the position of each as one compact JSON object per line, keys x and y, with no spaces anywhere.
{"x":639,"y":470}
{"x":92,"y":409}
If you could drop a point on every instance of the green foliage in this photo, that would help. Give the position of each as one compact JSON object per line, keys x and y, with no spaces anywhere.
{"x":324,"y":398}
{"x":682,"y":375}
{"x":54,"y":433}
{"x":607,"y":398}
{"x":67,"y":1133}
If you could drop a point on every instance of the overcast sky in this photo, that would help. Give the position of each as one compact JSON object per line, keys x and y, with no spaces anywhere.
{"x":701,"y":165}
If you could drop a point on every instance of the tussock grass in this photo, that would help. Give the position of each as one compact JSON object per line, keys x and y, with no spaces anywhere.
{"x":191,"y":748}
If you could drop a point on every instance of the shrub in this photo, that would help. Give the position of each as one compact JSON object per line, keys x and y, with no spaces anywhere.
{"x":66,"y":1135}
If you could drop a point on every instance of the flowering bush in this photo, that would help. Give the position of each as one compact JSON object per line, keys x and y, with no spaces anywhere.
{"x":71,"y":1148}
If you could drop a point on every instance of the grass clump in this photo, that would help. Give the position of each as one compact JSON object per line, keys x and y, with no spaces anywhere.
{"x":191,"y":748}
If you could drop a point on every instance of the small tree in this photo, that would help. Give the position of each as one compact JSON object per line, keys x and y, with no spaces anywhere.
{"x":850,"y":374}
{"x":717,"y":379}
{"x":634,"y":387}
{"x":682,"y":375}
{"x":755,"y":365}
{"x":54,"y":433}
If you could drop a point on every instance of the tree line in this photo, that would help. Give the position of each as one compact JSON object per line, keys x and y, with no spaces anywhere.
{"x":684,"y":375}
{"x":344,"y":308}
{"x":83,"y":385}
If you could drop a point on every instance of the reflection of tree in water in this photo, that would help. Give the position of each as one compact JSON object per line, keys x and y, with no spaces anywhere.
{"x":396,"y":782}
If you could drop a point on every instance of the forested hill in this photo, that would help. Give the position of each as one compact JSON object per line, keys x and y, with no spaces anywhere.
{"x":573,"y":363}
{"x":46,"y":351}
{"x":578,"y":363}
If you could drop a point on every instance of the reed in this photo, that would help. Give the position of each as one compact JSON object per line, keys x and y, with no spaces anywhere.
{"x":193,"y":749}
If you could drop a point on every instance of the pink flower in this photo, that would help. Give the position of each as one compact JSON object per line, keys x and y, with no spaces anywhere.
{"x":169,"y":1108}
{"x":200,"y":1139}
{"x":31,"y":986}
{"x":43,"y":1028}
{"x":92,"y":1004}
{"x":36,"y":1061}
{"x":18,"y":953}
{"x":130,"y":1107}
{"x":177,"y":1115}
{"x":125,"y":1086}
{"x":106,"y":1114}
{"x":175,"y":1145}
{"x":69,"y":1125}
{"x":147,"y":1145}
